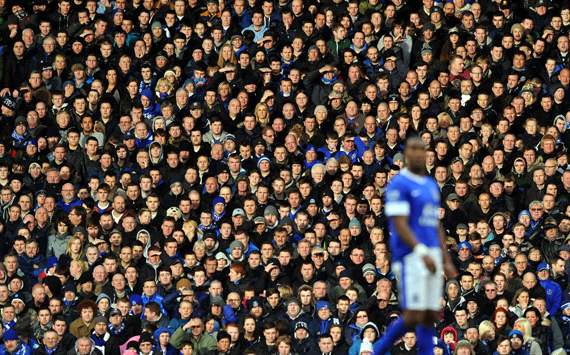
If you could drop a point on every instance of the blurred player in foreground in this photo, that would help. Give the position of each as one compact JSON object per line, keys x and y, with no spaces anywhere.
{"x":417,"y":240}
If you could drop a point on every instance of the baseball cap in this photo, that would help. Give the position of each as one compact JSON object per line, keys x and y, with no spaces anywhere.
{"x":195,"y":105}
{"x":217,"y":301}
{"x":135,"y":299}
{"x":317,"y":250}
{"x":543,"y":266}
{"x":550,"y":225}
{"x":238,"y":212}
{"x":115,"y":312}
{"x":259,"y":220}
{"x":452,"y":197}
{"x":21,"y":120}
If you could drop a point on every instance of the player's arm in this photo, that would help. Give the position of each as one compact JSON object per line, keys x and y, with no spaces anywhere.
{"x":407,"y":235}
{"x":448,"y":266}
{"x":404,"y":231}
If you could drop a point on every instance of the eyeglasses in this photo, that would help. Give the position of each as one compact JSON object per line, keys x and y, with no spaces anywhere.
{"x":362,"y":316}
{"x":381,"y":300}
{"x":490,"y":290}
{"x":536,"y":209}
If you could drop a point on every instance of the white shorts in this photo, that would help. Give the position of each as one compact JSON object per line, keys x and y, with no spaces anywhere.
{"x":420,"y":290}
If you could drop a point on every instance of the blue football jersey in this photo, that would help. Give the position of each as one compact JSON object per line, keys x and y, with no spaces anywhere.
{"x":417,"y":197}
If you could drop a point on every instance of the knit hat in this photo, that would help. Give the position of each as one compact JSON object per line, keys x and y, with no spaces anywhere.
{"x":516,"y":333}
{"x":10,"y":334}
{"x":321,"y":305}
{"x":301,"y":325}
{"x":100,"y":319}
{"x":145,"y":338}
{"x":9,"y":102}
{"x":236,"y":244}
{"x":354,"y":223}
{"x":270,"y":211}
{"x":218,"y":199}
{"x":262,"y":159}
{"x":372,"y":326}
{"x":136,"y":300}
{"x":102,"y":296}
{"x":368,"y":268}
{"x":160,"y":331}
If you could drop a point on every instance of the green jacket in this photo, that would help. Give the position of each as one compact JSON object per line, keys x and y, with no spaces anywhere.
{"x":365,"y":7}
{"x":337,"y":47}
{"x":202,"y":345}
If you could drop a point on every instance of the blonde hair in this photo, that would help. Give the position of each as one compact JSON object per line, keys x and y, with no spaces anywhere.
{"x":485,"y":328}
{"x":199,"y":244}
{"x":285,"y":291}
{"x":68,"y":248}
{"x":265,"y":120}
{"x":82,"y":264}
{"x":221,"y":61}
{"x":164,"y":81}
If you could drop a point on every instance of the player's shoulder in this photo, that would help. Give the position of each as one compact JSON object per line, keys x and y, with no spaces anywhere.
{"x":398,"y":180}
{"x":397,"y":188}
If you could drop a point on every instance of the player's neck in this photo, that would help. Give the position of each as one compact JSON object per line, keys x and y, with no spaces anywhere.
{"x":416,"y":171}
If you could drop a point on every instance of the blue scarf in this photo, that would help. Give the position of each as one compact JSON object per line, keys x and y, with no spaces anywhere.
{"x":116,"y":330}
{"x":99,"y":341}
{"x":329,"y":82}
{"x":18,"y":138}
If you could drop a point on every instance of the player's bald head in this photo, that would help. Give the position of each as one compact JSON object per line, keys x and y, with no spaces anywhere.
{"x":415,"y":152}
{"x":415,"y":143}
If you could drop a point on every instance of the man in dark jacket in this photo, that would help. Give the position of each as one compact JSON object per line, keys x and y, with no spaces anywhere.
{"x":549,"y":242}
{"x":302,"y":343}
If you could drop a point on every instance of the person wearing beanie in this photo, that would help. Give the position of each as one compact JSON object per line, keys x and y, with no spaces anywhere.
{"x":13,"y":344}
{"x":368,"y":335}
{"x":162,"y":342}
{"x":100,"y":336}
{"x":223,"y":343}
{"x":146,"y":344}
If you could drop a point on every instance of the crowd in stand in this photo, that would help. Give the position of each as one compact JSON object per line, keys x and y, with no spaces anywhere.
{"x":207,"y":177}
